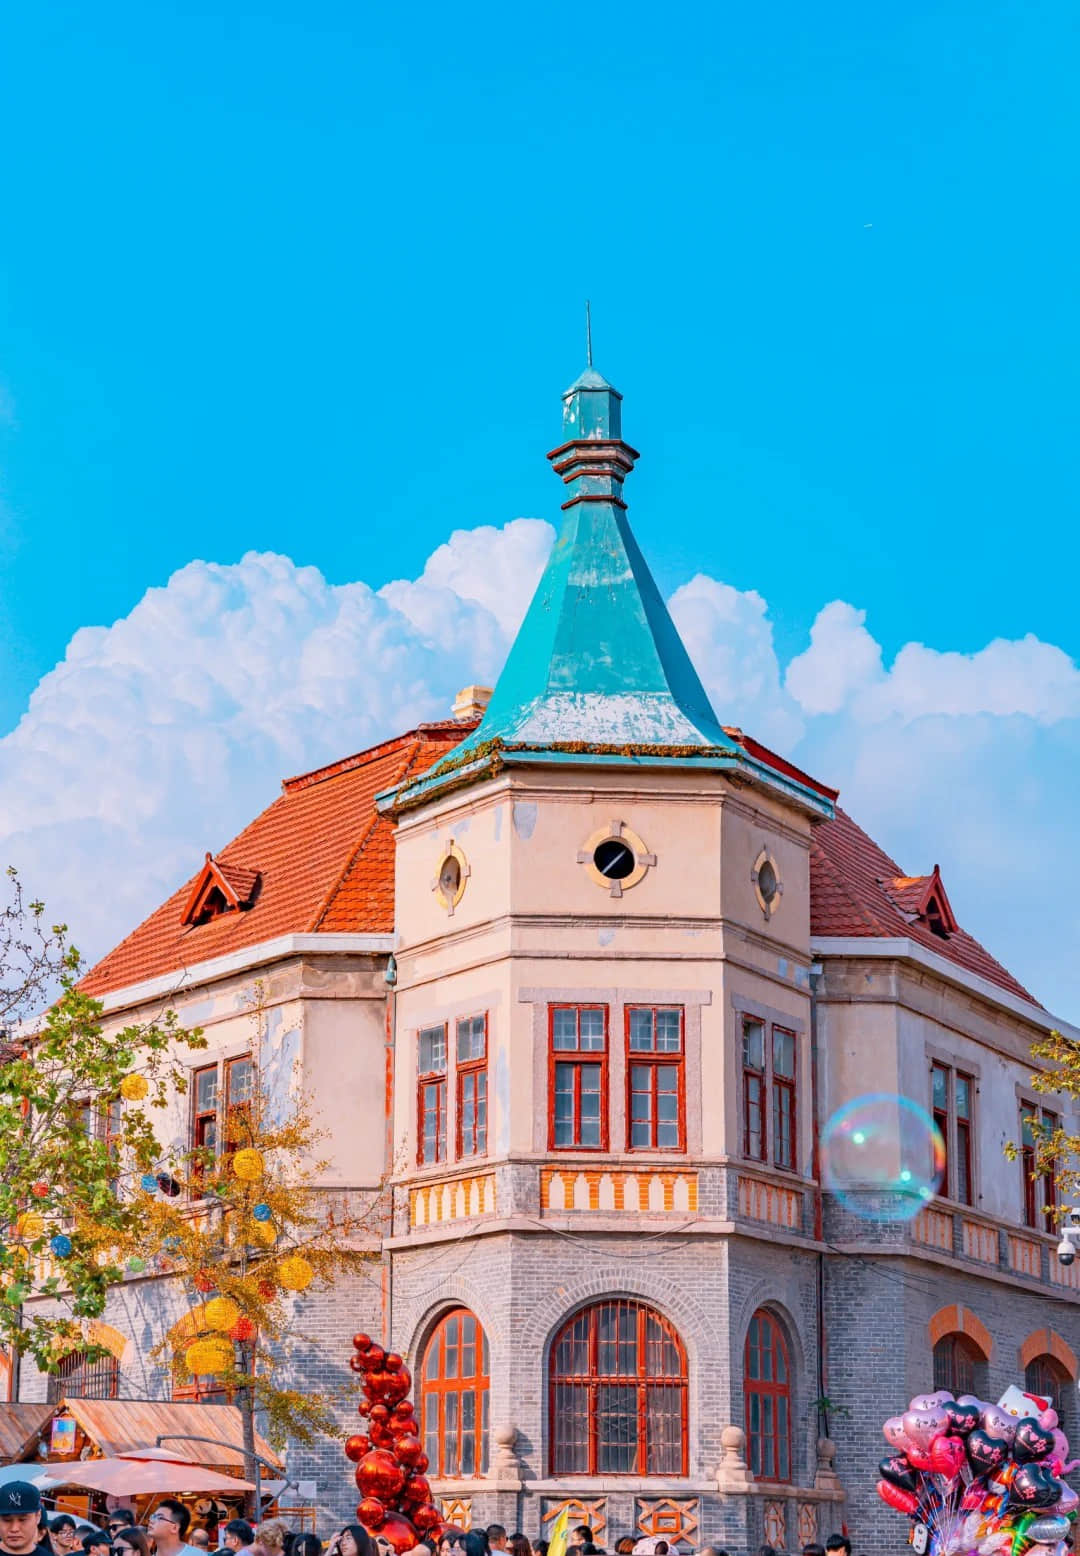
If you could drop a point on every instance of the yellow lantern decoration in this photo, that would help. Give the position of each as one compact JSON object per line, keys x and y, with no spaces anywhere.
{"x":206,"y":1357}
{"x":30,"y":1225}
{"x":133,"y":1088}
{"x":221,"y":1313}
{"x":295,"y":1273}
{"x":263,"y":1232}
{"x":247,"y":1165}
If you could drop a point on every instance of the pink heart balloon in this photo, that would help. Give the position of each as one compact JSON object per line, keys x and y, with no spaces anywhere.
{"x":930,"y":1401}
{"x":947,"y":1456}
{"x":922,"y":1426}
{"x":894,"y":1434}
{"x":999,"y":1423}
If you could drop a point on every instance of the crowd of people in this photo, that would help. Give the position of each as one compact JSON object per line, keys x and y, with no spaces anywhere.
{"x":168,"y":1531}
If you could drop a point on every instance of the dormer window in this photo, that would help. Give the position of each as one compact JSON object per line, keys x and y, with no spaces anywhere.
{"x":219,"y":889}
{"x":922,"y":900}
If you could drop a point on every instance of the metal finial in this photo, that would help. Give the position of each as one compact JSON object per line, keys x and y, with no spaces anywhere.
{"x":588,"y":333}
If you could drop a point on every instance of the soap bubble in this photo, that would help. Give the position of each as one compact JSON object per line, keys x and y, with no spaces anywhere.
{"x":883,"y":1157}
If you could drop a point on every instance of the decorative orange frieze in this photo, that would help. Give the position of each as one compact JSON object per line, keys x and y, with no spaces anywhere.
{"x":638,"y":1189}
{"x":453,"y":1199}
{"x":772,"y":1202}
{"x":980,"y":1242}
{"x":933,"y":1228}
{"x":1025,"y":1256}
{"x":457,"y":1511}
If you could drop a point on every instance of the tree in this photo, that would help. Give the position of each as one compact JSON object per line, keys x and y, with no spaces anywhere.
{"x":1050,"y":1151}
{"x":255,"y":1231}
{"x":75,"y":1135}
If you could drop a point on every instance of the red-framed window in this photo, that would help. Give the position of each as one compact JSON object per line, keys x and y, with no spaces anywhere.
{"x":655,"y":1083}
{"x":618,"y":1393}
{"x":577,"y":1082}
{"x":956,"y":1364}
{"x":454,"y":1381}
{"x":952,"y":1103}
{"x":431,"y":1096}
{"x":204,"y":1114}
{"x":770,"y":1093}
{"x":767,"y":1386}
{"x":239,"y":1093}
{"x":784,"y":1059}
{"x":1039,"y":1190}
{"x":472,"y":1039}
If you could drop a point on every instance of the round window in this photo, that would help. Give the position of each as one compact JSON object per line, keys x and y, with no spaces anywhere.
{"x":766,"y":881}
{"x":614,"y":859}
{"x":450,"y":876}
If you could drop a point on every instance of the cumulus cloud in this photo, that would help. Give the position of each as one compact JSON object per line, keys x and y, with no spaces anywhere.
{"x":162,"y":735}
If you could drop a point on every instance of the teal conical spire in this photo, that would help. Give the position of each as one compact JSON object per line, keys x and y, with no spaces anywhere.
{"x":597,"y":661}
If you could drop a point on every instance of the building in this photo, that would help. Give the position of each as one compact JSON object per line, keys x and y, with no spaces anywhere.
{"x":585,"y":972}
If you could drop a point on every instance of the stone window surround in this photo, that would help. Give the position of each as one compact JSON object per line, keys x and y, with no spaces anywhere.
{"x":485,"y":1004}
{"x":744,"y":1005}
{"x":616,"y":1000}
{"x":958,"y":1063}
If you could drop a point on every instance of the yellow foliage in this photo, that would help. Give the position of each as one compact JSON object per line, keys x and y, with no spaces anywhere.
{"x":133,"y":1088}
{"x":30,"y":1225}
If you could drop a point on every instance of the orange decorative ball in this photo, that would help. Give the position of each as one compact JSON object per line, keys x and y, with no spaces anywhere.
{"x":393,"y":1362}
{"x":409,"y":1450}
{"x":399,"y":1532}
{"x":380,"y":1475}
{"x":426,"y":1517}
{"x":361,"y":1342}
{"x":356,"y":1446}
{"x":371,"y":1513}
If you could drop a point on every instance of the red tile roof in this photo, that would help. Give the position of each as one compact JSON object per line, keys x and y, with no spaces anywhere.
{"x":324,"y":857}
{"x":854,"y":887}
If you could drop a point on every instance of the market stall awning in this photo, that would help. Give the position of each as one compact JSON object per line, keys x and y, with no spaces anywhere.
{"x":143,"y":1477}
{"x":116,"y":1426}
{"x":123,"y":1425}
{"x":19,"y":1429}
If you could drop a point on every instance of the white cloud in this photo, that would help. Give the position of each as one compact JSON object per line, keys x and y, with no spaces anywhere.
{"x":160,"y":736}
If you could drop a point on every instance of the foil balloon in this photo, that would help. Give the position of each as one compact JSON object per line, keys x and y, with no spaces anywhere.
{"x":931,"y":1401}
{"x":1031,"y":1442}
{"x":962,"y":1418}
{"x":998,"y":1422}
{"x":986,"y":1453}
{"x":896,"y":1469}
{"x":922,"y":1426}
{"x":1047,"y":1531}
{"x":1049,"y":1419}
{"x":1067,"y":1502}
{"x":894,"y":1434}
{"x":1034,"y":1486}
{"x":947,"y":1456}
{"x":895,"y":1496}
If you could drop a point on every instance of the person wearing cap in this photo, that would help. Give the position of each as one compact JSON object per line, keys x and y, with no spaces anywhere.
{"x":20,"y":1519}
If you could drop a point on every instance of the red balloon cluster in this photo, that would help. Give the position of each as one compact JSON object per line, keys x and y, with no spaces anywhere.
{"x":391,"y":1465}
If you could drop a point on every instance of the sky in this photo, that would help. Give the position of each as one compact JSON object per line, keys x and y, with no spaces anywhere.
{"x":288,"y":296}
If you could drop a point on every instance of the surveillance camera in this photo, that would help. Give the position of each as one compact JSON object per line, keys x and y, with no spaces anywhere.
{"x":1066,"y":1251}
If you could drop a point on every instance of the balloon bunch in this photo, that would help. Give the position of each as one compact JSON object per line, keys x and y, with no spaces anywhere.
{"x":389,"y":1457}
{"x":981,"y":1481}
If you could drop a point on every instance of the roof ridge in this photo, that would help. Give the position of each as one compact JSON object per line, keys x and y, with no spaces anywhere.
{"x":343,"y":874}
{"x":345,"y":764}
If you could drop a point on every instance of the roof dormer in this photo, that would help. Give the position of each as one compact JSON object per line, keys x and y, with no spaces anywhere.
{"x":922,"y":899}
{"x":220,"y":888}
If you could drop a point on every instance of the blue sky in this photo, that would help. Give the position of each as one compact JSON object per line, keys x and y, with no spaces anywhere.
{"x":309,"y":280}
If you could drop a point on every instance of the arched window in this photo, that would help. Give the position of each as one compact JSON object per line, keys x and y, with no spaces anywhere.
{"x":767,"y":1386}
{"x":618,"y":1393}
{"x":1045,"y":1376}
{"x":77,"y":1378}
{"x":454,"y":1397}
{"x":956,"y":1364}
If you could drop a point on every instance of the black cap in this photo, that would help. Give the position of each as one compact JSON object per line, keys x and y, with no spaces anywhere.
{"x":19,"y":1496}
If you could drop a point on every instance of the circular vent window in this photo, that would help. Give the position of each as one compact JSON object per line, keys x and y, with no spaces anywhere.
{"x":450,"y":877}
{"x":768,"y":888}
{"x":614,"y":859}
